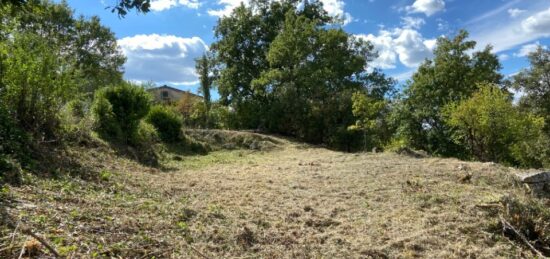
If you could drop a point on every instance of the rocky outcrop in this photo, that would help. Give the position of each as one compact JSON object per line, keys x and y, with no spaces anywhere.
{"x":537,"y":182}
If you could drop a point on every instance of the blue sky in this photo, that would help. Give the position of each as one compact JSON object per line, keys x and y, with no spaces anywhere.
{"x":162,"y":44}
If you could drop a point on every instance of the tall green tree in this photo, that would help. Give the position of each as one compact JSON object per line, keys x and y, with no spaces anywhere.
{"x":203,"y":66}
{"x":452,"y":75}
{"x":312,"y":75}
{"x":243,"y":41}
{"x":534,"y":83}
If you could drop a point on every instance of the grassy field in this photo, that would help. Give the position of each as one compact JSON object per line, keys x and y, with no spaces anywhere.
{"x":293,"y":201}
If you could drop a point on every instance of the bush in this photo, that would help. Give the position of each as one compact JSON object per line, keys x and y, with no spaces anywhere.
{"x":167,"y":122}
{"x":493,"y":129}
{"x":118,"y":111}
{"x":35,"y":85}
{"x":145,"y":136}
{"x":12,"y":139}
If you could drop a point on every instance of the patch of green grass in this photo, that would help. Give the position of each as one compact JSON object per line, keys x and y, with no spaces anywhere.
{"x":214,"y":158}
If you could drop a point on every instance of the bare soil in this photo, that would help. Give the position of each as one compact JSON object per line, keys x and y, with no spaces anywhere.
{"x":293,"y":201}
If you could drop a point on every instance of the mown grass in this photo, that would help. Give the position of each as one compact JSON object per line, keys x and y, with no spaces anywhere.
{"x":292,"y":202}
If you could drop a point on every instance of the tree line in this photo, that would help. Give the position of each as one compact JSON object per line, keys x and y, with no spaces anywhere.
{"x":279,"y":67}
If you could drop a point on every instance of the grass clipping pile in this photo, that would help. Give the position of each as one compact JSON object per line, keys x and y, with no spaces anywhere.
{"x":294,"y":201}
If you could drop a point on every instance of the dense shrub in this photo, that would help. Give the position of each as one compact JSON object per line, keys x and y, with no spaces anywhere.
{"x":491,"y":128}
{"x":12,"y":139}
{"x":118,"y":111}
{"x":167,"y":122}
{"x":35,"y":85}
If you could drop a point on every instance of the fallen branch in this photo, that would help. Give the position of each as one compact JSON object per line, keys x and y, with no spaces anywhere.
{"x":28,"y":231}
{"x":507,"y":226}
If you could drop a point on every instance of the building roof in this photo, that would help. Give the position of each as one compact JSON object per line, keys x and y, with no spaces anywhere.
{"x":174,"y":89}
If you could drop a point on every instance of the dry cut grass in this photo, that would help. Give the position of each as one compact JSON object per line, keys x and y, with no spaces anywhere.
{"x":290,"y":202}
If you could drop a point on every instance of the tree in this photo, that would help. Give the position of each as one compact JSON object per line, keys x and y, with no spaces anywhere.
{"x":97,"y":57}
{"x":34,"y":84}
{"x":535,"y":84}
{"x":452,"y":75}
{"x":204,"y":69}
{"x":243,"y":41}
{"x":312,"y":75}
{"x":367,"y":111}
{"x":121,"y":7}
{"x":491,"y":128}
{"x":89,"y":48}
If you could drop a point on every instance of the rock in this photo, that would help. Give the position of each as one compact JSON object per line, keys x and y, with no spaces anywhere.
{"x":534,"y":177}
{"x":537,"y":182}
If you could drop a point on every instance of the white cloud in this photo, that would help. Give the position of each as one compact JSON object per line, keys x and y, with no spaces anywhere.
{"x":428,"y":7}
{"x":528,"y":48}
{"x":503,"y":57}
{"x":513,"y":32}
{"x":538,"y":23}
{"x":515,"y":12}
{"x":161,"y":58}
{"x":334,"y":8}
{"x":228,"y":6}
{"x":412,"y":22}
{"x":404,"y":43}
{"x":412,"y":47}
{"x":383,"y":44}
{"x":161,"y":5}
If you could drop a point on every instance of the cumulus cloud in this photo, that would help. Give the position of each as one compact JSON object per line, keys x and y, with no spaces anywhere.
{"x":162,"y":58}
{"x":334,"y":8}
{"x":538,"y":23}
{"x":428,"y":7}
{"x":515,"y":12}
{"x":383,"y":45}
{"x":161,"y":5}
{"x":405,"y":44}
{"x":528,"y":48}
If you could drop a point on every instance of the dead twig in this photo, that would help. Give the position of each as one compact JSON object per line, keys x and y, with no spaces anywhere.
{"x":197,"y":251}
{"x":22,"y":250}
{"x":507,"y":226}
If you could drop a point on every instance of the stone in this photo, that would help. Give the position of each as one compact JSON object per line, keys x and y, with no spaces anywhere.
{"x":537,"y":182}
{"x":534,"y":177}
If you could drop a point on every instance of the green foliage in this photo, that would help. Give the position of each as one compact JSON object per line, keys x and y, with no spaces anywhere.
{"x":204,"y":67}
{"x":244,"y":40}
{"x":35,"y":85}
{"x":167,"y":122}
{"x":145,"y":136}
{"x":367,"y":111}
{"x":118,"y":111}
{"x":534,"y":83}
{"x":452,"y":75}
{"x":492,"y":129}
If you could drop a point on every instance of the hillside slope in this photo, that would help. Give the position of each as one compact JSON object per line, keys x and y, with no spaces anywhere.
{"x":294,"y":201}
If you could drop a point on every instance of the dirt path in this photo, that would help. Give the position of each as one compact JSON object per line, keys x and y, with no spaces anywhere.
{"x":294,"y":202}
